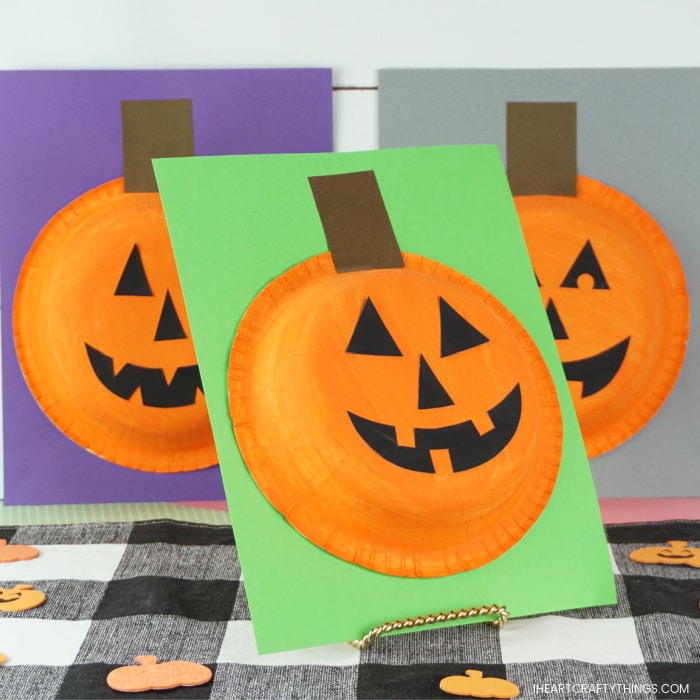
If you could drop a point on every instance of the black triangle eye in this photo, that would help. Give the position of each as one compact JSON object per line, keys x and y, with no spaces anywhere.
{"x":555,"y":322}
{"x":586,"y":264}
{"x":456,"y":333}
{"x":371,"y":336}
{"x":169,"y":325}
{"x":133,"y":281}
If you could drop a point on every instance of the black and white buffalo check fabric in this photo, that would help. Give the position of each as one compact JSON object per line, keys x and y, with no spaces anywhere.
{"x":174,"y":590}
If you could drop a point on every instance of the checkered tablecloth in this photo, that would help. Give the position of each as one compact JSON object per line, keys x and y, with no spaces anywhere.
{"x":174,"y":590}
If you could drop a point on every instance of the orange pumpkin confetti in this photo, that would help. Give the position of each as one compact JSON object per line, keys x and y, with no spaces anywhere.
{"x":3,"y":658}
{"x":677,"y":553}
{"x":21,"y":597}
{"x":151,"y":675}
{"x":474,"y":685}
{"x":16,"y":552}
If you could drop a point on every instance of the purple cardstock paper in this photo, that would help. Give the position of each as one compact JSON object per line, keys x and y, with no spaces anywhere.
{"x":60,"y":135}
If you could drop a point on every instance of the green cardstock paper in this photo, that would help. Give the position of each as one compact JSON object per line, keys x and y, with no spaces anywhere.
{"x":236,"y":223}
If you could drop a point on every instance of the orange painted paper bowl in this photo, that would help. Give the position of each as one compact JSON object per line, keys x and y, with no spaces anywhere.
{"x":617,"y":302}
{"x":102,"y":337}
{"x":401,"y":419}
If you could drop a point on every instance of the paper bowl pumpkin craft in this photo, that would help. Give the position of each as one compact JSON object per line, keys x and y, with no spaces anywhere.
{"x":617,"y":302}
{"x":676,"y":553}
{"x":399,"y":418}
{"x":150,"y":675}
{"x":102,"y":336}
{"x":20,"y":597}
{"x":473,"y":684}
{"x":616,"y":299}
{"x":16,"y":552}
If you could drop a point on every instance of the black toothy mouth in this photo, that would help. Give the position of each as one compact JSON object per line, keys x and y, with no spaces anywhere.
{"x":596,"y":372}
{"x":155,"y":390}
{"x":467,"y":448}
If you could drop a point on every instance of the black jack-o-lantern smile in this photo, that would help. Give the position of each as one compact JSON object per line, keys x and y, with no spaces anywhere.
{"x":596,"y":371}
{"x":156,"y":391}
{"x":467,"y":447}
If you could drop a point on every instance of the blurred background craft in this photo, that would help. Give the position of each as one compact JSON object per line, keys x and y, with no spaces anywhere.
{"x":99,"y":320}
{"x":591,"y":130}
{"x":108,"y":377}
{"x":611,"y":281}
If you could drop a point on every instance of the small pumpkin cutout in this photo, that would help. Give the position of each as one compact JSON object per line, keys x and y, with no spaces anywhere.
{"x":677,"y":553}
{"x":417,"y":423}
{"x":3,"y":658}
{"x":611,"y":282}
{"x":151,"y":675}
{"x":21,"y":597}
{"x":16,"y":552}
{"x":474,"y":685}
{"x":102,"y":336}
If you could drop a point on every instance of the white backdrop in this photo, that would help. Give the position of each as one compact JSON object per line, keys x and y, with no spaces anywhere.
{"x":354,"y":38}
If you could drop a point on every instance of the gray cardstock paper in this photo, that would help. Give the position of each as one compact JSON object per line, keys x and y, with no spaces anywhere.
{"x":639,"y":132}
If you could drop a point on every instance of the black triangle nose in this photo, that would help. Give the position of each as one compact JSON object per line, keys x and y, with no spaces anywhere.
{"x":169,"y":325}
{"x":431,"y":394}
{"x":555,"y":322}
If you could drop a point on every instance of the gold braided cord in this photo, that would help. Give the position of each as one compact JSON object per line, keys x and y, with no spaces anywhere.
{"x":499,"y":610}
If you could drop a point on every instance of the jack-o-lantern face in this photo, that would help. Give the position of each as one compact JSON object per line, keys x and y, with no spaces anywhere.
{"x":21,"y":597}
{"x":466,"y":446}
{"x":677,"y":553}
{"x":616,"y":300}
{"x":148,"y":382}
{"x":401,"y":419}
{"x":102,"y":336}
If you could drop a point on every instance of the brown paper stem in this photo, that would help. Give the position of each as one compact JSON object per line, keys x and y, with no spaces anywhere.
{"x":153,"y":129}
{"x":355,"y":221}
{"x":541,"y":148}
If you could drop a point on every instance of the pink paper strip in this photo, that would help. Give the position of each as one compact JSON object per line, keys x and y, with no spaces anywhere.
{"x":613,"y":510}
{"x":644,"y":510}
